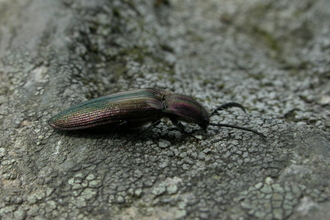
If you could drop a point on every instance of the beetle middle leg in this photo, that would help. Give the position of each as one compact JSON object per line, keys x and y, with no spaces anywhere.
{"x":149,"y":127}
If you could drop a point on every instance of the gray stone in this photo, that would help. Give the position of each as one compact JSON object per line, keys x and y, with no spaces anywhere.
{"x":273,"y":57}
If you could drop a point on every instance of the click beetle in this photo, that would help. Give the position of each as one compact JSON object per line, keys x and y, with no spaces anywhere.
{"x":139,"y":107}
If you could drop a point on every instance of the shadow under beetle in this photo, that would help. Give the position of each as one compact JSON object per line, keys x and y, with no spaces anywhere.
{"x":138,"y":107}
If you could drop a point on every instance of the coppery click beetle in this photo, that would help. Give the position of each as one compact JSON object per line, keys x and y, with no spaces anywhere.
{"x":139,"y":107}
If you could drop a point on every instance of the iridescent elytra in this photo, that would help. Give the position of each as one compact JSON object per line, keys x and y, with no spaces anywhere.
{"x":139,"y":107}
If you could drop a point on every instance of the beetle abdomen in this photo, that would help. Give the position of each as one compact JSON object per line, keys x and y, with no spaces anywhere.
{"x":136,"y":106}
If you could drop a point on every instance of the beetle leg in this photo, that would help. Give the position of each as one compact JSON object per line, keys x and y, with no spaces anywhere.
{"x":178,"y":125}
{"x":118,"y":127}
{"x":181,"y":128}
{"x":151,"y":126}
{"x":227,"y":105}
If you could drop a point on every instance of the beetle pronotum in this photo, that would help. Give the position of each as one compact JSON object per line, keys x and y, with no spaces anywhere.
{"x":139,"y":107}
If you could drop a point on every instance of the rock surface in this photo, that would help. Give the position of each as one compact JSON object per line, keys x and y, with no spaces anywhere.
{"x":272,"y":57}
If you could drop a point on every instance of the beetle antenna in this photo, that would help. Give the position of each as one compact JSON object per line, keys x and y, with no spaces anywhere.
{"x":241,"y":128}
{"x":227,"y":105}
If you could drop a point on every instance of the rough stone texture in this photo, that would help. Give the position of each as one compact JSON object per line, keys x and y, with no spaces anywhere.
{"x":271,"y":56}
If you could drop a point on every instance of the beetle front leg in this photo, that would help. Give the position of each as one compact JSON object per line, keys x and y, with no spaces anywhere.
{"x":178,"y":125}
{"x":181,"y":127}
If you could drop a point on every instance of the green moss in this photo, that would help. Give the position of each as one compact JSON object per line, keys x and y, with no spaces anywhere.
{"x":268,"y":38}
{"x":258,"y":76}
{"x":216,"y":177}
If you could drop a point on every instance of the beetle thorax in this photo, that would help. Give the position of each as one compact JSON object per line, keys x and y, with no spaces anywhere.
{"x":185,"y":108}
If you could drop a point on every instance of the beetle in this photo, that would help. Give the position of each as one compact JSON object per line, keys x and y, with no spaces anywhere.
{"x":139,"y":107}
